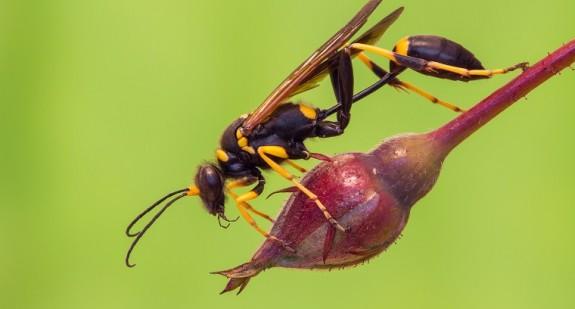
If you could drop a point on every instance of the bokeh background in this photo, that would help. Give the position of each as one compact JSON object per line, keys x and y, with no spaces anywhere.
{"x":107,"y":105}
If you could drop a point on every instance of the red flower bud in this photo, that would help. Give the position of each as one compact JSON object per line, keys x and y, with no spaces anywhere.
{"x":370,"y":194}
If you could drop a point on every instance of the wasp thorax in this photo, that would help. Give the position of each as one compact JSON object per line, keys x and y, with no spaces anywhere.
{"x":210,"y":182}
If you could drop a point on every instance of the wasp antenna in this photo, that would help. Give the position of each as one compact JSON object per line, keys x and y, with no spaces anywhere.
{"x":141,"y":233}
{"x":147,"y":210}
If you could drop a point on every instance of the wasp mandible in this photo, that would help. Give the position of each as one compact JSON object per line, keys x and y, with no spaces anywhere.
{"x":274,"y":134}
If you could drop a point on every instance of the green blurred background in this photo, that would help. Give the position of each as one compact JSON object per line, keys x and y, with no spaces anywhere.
{"x":107,"y":105}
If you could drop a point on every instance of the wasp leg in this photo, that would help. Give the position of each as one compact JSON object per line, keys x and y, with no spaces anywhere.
{"x":432,"y":65}
{"x":251,"y":208}
{"x":253,"y":193}
{"x":377,"y":70}
{"x":320,"y":156}
{"x":296,"y":166}
{"x":243,"y":208}
{"x":419,"y":64}
{"x":341,"y":76}
{"x":433,"y":99}
{"x":244,"y":198}
{"x":242,"y":182}
{"x":328,"y":128}
{"x":280,"y":152}
{"x":358,"y":96}
{"x":243,"y":212}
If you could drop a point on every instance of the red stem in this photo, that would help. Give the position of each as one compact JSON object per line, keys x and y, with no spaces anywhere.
{"x":457,"y":130}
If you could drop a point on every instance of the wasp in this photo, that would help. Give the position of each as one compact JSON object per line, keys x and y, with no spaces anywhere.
{"x":273,"y":135}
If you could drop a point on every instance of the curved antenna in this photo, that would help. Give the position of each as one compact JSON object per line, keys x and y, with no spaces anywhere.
{"x":147,"y":210}
{"x":149,"y":224}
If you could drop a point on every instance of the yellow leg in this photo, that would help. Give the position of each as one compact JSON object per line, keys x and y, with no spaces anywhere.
{"x":432,"y":65}
{"x":280,"y":152}
{"x":296,"y":166}
{"x":376,"y":50}
{"x":249,"y":207}
{"x":252,"y":222}
{"x":242,"y":182}
{"x":428,"y":96}
{"x":404,"y":85}
{"x":244,"y":198}
{"x":368,"y":62}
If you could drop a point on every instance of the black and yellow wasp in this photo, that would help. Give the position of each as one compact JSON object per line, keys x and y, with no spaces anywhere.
{"x":275,"y":132}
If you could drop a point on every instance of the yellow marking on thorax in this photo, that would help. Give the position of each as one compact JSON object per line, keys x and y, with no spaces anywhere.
{"x":242,"y":142}
{"x":307,"y":111}
{"x":239,"y":133}
{"x":402,"y":46}
{"x":222,"y":155}
{"x":249,"y":149}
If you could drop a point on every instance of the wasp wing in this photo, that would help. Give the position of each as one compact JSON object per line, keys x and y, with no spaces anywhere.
{"x":370,"y":37}
{"x":307,"y":68}
{"x":375,"y":33}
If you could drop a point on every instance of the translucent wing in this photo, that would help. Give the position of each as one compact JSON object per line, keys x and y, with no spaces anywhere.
{"x":370,"y":37}
{"x":375,"y":33}
{"x":308,"y":67}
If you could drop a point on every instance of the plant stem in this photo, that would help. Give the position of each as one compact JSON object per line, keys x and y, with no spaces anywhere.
{"x":457,"y":130}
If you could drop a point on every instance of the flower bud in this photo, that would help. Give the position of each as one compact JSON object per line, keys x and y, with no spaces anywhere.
{"x":371,"y":194}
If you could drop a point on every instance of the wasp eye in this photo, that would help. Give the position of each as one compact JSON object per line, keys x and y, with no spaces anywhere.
{"x":210,"y":181}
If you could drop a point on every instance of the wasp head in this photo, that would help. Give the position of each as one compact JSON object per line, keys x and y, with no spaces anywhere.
{"x":210,"y":182}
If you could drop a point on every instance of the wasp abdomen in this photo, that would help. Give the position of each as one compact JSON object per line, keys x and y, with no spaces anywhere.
{"x":438,"y":49}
